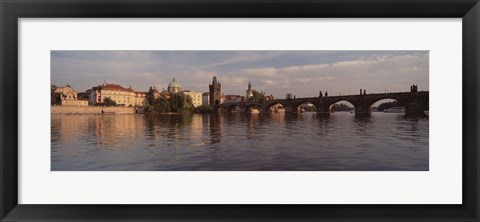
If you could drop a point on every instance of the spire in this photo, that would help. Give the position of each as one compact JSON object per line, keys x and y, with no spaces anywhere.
{"x":249,"y":85}
{"x":214,"y":82}
{"x":174,"y":79}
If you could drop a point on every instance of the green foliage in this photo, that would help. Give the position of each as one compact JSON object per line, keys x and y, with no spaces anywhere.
{"x":203,"y":109}
{"x":150,"y":97}
{"x":109,"y":102}
{"x":388,"y":105}
{"x":149,"y":108}
{"x":54,"y":97}
{"x":257,"y":96}
{"x":181,"y":103}
{"x":161,"y":105}
{"x":177,"y":103}
{"x":341,"y":107}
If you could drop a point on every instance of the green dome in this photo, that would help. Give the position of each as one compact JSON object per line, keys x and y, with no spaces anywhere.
{"x":174,"y":84}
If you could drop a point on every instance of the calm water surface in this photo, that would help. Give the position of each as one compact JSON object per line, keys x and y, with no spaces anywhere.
{"x":238,"y":141}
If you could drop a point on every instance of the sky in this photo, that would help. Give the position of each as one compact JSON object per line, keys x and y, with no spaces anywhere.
{"x":302,"y":73}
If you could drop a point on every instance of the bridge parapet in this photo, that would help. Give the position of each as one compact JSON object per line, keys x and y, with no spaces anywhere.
{"x":414,"y":102}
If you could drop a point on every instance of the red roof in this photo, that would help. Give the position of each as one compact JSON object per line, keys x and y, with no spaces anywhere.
{"x":114,"y":87}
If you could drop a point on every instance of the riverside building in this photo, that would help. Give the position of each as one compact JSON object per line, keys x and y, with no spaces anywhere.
{"x":117,"y":93}
{"x":68,"y":97}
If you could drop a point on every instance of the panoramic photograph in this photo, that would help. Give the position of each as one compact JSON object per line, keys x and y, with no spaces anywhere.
{"x":258,"y":110}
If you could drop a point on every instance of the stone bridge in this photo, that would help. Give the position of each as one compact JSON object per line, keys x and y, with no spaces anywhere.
{"x":415,"y":103}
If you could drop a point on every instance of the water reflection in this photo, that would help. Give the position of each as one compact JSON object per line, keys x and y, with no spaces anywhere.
{"x":215,"y":128}
{"x":238,"y":141}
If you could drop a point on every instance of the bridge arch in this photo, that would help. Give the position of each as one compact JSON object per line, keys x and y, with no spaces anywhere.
{"x":341,"y":105}
{"x":250,"y":107}
{"x":233,"y":108}
{"x":388,"y":104}
{"x":275,"y":106}
{"x":415,"y":103}
{"x":327,"y":105}
{"x":306,"y":106}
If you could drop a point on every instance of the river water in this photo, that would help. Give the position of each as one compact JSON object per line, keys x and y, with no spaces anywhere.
{"x":239,"y":141}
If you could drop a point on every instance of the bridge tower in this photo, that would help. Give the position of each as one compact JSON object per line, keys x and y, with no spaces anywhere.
{"x":416,"y":102}
{"x":215,"y":92}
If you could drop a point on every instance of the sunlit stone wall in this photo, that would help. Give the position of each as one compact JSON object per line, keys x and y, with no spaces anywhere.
{"x":91,"y":110}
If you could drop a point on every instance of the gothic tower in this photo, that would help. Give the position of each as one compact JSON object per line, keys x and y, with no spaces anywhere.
{"x":215,"y":92}
{"x":249,"y":92}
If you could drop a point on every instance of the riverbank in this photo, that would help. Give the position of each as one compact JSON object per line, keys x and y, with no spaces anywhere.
{"x":98,"y":110}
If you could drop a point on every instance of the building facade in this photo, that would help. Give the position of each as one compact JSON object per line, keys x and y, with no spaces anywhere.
{"x":117,"y":93}
{"x":141,"y":98}
{"x":205,"y":99}
{"x":69,"y":97}
{"x":94,"y":97}
{"x":196,"y":97}
{"x":233,"y":98}
{"x":215,"y":92}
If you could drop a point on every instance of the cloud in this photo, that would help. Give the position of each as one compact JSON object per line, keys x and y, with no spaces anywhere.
{"x":269,"y":72}
{"x":274,"y":72}
{"x":241,"y":57}
{"x":203,"y":75}
{"x":269,"y":82}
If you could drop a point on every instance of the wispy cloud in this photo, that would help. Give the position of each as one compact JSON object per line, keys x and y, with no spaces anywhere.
{"x":274,"y":72}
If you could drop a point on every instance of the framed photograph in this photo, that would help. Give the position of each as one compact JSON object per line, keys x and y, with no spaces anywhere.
{"x":227,"y":110}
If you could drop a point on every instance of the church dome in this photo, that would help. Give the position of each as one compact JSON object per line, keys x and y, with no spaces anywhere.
{"x":174,"y":84}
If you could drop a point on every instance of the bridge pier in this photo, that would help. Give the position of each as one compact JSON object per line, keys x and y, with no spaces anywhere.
{"x":362,"y":110}
{"x":363,"y":114}
{"x":414,"y":109}
{"x":323,"y":114}
{"x":290,"y":109}
{"x":323,"y":111}
{"x":415,"y":106}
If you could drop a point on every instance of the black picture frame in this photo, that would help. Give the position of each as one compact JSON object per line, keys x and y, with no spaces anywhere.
{"x":11,"y":11}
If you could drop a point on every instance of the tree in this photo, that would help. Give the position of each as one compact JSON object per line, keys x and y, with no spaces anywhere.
{"x":54,"y":96}
{"x":109,"y":102}
{"x":181,"y":103}
{"x":203,"y":109}
{"x":161,"y":105}
{"x":341,"y":107}
{"x":388,"y":105}
{"x":257,"y":96}
{"x":150,"y":96}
